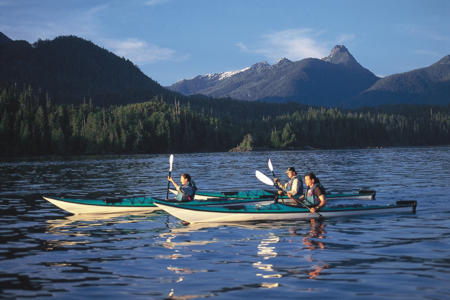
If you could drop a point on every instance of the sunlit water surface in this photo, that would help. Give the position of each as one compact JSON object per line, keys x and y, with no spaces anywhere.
{"x":46,"y":252}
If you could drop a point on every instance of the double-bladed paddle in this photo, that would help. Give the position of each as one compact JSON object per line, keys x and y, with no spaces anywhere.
{"x":266,"y":180}
{"x":170,"y":172}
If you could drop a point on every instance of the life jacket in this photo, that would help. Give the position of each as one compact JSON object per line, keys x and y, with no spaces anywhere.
{"x":299,"y":186}
{"x":194,"y":188}
{"x":184,"y":197}
{"x":311,"y":199}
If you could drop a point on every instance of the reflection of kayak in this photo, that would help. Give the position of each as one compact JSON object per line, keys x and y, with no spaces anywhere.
{"x":252,"y":194}
{"x":265,"y":212}
{"x":137,"y":204}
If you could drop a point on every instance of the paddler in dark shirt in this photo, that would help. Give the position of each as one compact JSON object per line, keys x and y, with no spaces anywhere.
{"x":187,"y":189}
{"x":314,"y":196}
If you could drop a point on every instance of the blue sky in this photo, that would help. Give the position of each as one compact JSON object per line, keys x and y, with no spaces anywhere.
{"x":180,"y":39}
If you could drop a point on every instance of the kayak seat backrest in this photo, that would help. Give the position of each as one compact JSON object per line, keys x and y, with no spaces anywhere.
{"x":362,"y":191}
{"x":229,"y":193}
{"x":235,"y":207}
{"x":112,"y":200}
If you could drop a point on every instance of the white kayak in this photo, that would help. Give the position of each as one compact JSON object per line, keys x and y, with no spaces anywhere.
{"x":276,"y":211}
{"x":136,"y":204}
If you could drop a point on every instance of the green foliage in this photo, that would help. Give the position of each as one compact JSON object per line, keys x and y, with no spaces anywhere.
{"x":31,"y":125}
{"x":247,"y":142}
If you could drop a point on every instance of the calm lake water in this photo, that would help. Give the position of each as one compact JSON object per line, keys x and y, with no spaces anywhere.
{"x":48,"y":253}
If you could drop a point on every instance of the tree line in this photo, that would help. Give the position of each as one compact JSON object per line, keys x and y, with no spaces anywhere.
{"x":31,"y":125}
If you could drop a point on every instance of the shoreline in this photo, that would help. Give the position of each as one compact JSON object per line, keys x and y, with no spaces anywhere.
{"x":234,"y":150}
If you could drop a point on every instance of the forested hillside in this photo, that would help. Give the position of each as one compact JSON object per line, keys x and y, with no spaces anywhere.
{"x":31,"y":125}
{"x":72,"y":70}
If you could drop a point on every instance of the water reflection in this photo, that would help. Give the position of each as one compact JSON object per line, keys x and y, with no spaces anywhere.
{"x":313,"y":241}
{"x":266,"y":249}
{"x":180,"y":239}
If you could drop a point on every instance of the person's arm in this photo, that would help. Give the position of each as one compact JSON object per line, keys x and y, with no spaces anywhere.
{"x":280,"y":185}
{"x":177,"y":187}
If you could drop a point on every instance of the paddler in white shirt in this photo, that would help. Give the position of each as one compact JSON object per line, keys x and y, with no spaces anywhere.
{"x":293,"y":188}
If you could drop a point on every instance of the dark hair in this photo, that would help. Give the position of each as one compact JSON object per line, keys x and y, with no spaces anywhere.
{"x":187,"y":176}
{"x":312,"y":176}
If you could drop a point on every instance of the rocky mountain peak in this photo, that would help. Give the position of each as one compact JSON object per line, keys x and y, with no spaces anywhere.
{"x":260,"y":66}
{"x":339,"y":49}
{"x":341,"y":55}
{"x":443,"y":61}
{"x":282,"y":62}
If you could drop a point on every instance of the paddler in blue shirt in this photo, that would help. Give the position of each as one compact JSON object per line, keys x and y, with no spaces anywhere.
{"x":314,"y":197}
{"x":293,"y":188}
{"x":187,"y":189}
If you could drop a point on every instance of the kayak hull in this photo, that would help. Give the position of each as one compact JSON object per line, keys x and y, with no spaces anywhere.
{"x":82,"y":206}
{"x":272,"y":212}
{"x":134,"y":205}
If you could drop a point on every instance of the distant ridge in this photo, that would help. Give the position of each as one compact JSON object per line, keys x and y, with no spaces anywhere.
{"x":72,"y":70}
{"x":337,"y":80}
{"x":327,"y":81}
{"x":430,"y":85}
{"x":4,"y":39}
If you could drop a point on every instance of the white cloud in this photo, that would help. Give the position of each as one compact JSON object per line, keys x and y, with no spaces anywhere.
{"x":294,"y":44}
{"x":427,"y":52}
{"x":345,"y":38}
{"x":419,"y":31}
{"x":140,"y":52}
{"x":156,"y":2}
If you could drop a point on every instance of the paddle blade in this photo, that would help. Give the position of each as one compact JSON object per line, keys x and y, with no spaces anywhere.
{"x":171,"y":162}
{"x":263,"y":178}
{"x":270,"y":165}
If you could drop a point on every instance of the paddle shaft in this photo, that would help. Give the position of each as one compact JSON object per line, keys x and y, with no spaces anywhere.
{"x":170,"y":173}
{"x":168,"y":186}
{"x":308,"y":207}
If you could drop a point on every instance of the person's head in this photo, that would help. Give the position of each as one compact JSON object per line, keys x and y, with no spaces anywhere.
{"x":185,"y":178}
{"x":291,"y":172}
{"x":311,"y":179}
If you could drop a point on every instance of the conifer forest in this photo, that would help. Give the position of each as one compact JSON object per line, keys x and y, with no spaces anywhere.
{"x":31,"y":125}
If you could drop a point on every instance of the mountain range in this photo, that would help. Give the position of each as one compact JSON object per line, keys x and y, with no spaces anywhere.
{"x":337,"y":80}
{"x":72,"y":70}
